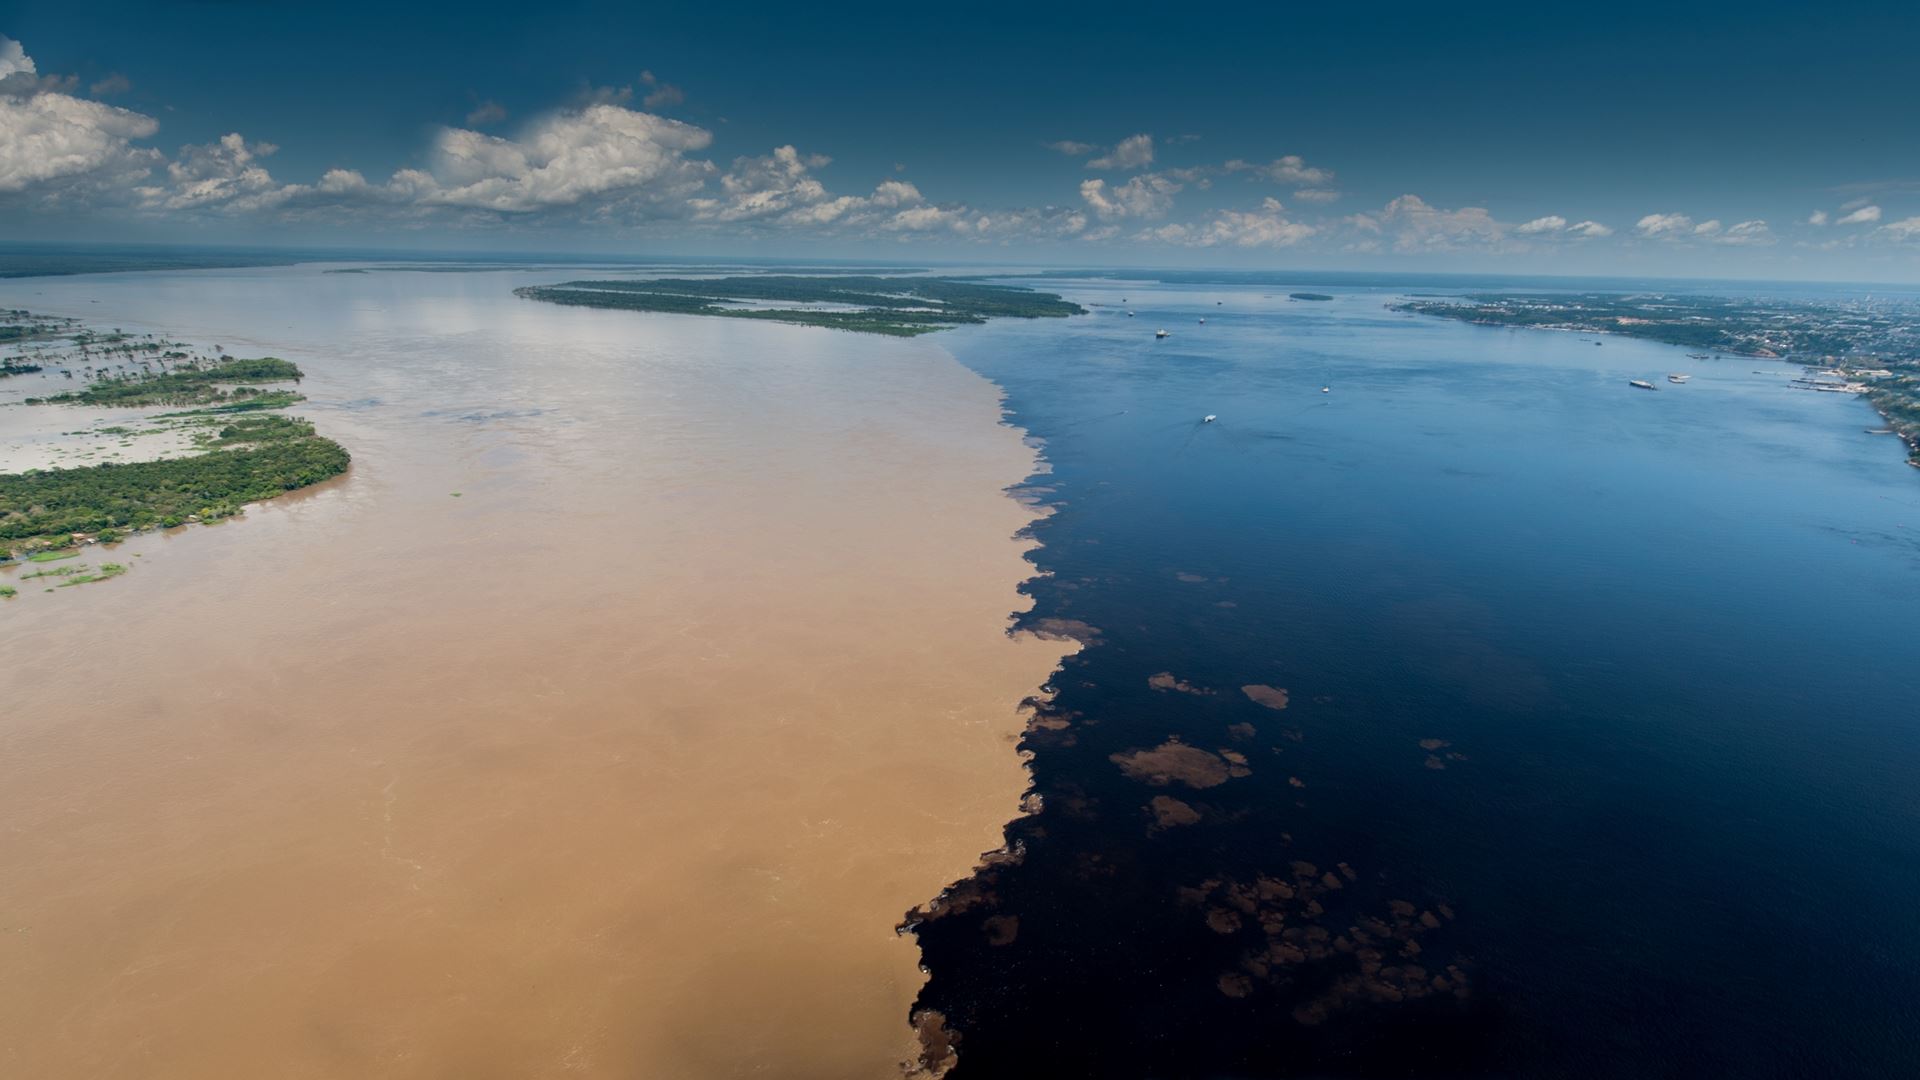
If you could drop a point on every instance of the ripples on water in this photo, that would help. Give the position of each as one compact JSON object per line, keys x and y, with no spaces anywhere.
{"x":1598,"y":736}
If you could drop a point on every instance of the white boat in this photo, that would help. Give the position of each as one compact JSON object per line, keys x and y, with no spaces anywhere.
{"x":1159,"y":333}
{"x":1641,"y":384}
{"x":1678,"y":378}
{"x":1208,"y":419}
{"x":1326,"y":389}
{"x":1129,"y":314}
{"x":1203,"y":322}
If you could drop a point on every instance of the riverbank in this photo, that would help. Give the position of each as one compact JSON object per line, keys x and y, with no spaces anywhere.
{"x":624,"y":762}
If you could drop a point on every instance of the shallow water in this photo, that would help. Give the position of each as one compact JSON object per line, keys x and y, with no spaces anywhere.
{"x":1623,"y":681}
{"x":623,"y":762}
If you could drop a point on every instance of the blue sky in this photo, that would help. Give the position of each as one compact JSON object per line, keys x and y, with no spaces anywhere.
{"x":1765,"y":140}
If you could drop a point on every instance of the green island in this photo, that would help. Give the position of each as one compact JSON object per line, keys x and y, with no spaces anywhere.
{"x":184,"y":385}
{"x":1869,"y":348}
{"x":900,"y":306}
{"x":247,"y":460}
{"x":235,"y":447}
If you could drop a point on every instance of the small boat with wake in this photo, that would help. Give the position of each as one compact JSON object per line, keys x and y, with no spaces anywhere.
{"x":1159,"y":333}
{"x":1680,"y":379}
{"x":1641,"y":384}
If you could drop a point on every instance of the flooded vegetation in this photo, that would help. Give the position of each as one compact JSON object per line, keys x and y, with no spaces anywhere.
{"x":900,"y":306}
{"x":205,"y":463}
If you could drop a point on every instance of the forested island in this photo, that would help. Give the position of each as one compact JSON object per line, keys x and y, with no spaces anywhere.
{"x":235,"y":448}
{"x":1865,"y":347}
{"x":900,"y":306}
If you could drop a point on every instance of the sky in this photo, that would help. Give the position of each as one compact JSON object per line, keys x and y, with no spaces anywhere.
{"x":1678,"y":139}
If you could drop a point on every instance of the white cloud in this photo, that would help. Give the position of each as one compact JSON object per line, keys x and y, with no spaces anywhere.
{"x":1856,"y":203}
{"x":1904,"y":229}
{"x":1663,"y":224}
{"x":1132,"y":152}
{"x":14,"y":59}
{"x":1266,"y":227}
{"x":1072,"y":148}
{"x":1866,"y":215}
{"x":1707,"y":228}
{"x":1592,"y":229}
{"x":1291,"y":169}
{"x":1148,"y":195}
{"x":1746,"y":233}
{"x":115,"y":83}
{"x":1550,"y":223}
{"x":1818,"y":217}
{"x":1316,"y":195}
{"x":570,"y":157}
{"x":60,"y":145}
{"x":1418,"y":226}
{"x":226,"y":174}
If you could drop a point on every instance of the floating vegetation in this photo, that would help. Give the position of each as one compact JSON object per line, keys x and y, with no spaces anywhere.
{"x":52,"y":556}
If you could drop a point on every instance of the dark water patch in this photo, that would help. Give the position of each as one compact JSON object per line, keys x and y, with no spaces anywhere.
{"x":1596,"y":749}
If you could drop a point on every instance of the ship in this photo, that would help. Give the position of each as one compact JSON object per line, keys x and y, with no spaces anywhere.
{"x":1159,"y":333}
{"x":1678,"y":378}
{"x":1641,"y":384}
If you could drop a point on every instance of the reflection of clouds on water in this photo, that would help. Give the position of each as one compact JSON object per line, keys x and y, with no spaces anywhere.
{"x":1272,"y":697}
{"x":1321,"y":951}
{"x":1165,"y":680}
{"x":1175,"y":762}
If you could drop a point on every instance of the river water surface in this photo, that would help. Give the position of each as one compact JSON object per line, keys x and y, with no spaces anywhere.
{"x":624,"y":761}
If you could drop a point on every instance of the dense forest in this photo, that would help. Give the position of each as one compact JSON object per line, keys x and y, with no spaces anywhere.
{"x":254,"y":457}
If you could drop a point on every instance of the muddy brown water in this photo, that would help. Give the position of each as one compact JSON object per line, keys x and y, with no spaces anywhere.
{"x":624,"y":761}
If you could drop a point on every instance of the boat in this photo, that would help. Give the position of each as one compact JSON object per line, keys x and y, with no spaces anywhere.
{"x":1203,"y":322}
{"x":1641,"y":384}
{"x":1129,"y":314}
{"x":1678,"y":378}
{"x":1159,"y":333}
{"x":1207,"y":419}
{"x":1326,"y":389}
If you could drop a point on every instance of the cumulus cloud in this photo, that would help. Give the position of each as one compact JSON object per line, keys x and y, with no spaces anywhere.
{"x":1132,"y":152}
{"x":1548,"y":224}
{"x":1664,"y":225}
{"x":567,"y":158}
{"x":1267,"y":226}
{"x":1416,"y":225}
{"x":1865,"y":215}
{"x":227,"y":174}
{"x":1291,"y":169}
{"x":1746,"y":233}
{"x":1148,"y":195}
{"x":14,"y":59}
{"x":1707,"y":228}
{"x":1589,"y":229}
{"x":1818,"y":217}
{"x":60,"y":145}
{"x":1904,"y":229}
{"x":115,"y":83}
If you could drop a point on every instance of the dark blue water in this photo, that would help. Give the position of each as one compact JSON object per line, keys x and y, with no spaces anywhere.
{"x":1602,"y":708}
